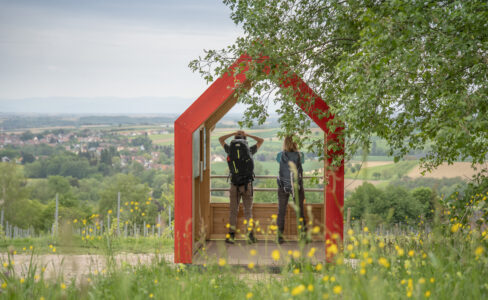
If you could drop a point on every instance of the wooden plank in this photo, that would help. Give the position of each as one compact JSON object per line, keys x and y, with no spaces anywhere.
{"x":261,"y":213}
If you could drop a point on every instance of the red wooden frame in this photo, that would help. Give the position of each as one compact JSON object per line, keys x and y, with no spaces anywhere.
{"x":204,"y":107}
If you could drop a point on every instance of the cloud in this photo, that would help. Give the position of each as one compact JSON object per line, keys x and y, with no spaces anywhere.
{"x":106,"y":48}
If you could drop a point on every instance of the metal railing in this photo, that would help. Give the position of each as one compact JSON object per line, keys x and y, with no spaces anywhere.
{"x":258,"y":189}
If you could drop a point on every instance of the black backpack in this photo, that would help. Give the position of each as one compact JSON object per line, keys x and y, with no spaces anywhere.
{"x":285,"y":179}
{"x":240,"y":162}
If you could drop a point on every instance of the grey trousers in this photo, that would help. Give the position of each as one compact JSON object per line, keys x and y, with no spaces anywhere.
{"x":236,"y":193}
{"x":283,"y":203}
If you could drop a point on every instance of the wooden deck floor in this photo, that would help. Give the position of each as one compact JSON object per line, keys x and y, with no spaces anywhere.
{"x":240,"y":253}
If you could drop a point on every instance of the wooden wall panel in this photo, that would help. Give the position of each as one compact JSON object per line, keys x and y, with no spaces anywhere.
{"x":262,"y":213}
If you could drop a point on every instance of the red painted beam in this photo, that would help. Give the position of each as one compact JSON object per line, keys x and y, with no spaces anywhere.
{"x":215,"y":95}
{"x":205,"y":106}
{"x":183,"y":194}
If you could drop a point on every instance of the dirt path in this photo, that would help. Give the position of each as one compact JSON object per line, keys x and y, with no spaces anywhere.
{"x":77,"y":266}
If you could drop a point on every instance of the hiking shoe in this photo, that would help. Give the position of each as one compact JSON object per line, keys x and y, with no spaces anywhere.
{"x":230,"y":238}
{"x":251,"y":239}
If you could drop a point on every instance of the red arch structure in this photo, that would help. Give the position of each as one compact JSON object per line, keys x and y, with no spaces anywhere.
{"x":208,"y":109}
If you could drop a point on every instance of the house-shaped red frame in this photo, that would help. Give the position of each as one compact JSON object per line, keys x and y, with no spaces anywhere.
{"x":214,"y":103}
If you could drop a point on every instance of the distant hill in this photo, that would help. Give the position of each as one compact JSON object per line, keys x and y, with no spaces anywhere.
{"x":94,"y":106}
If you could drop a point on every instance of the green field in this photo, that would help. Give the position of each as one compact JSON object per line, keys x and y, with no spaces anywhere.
{"x":386,"y":172}
{"x":75,"y":245}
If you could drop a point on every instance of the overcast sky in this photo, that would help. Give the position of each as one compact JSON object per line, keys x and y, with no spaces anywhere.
{"x":114,"y":48}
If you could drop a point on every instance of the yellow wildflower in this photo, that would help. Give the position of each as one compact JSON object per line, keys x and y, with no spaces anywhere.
{"x":332,"y":250}
{"x":432,"y":280}
{"x":296,"y":271}
{"x":325,"y":278}
{"x":63,"y":286}
{"x":249,"y":295}
{"x":362,"y":271}
{"x":222,"y":262}
{"x":381,"y":245}
{"x":455,"y":227}
{"x":275,"y":255}
{"x":366,"y":229}
{"x":411,"y":253}
{"x":296,"y":254}
{"x":311,"y":253}
{"x":337,"y":289}
{"x":350,"y":232}
{"x":298,"y":290}
{"x":151,"y":295}
{"x":4,"y":285}
{"x":310,"y":288}
{"x":427,"y":294}
{"x":253,"y":252}
{"x":479,"y":251}
{"x":250,"y":265}
{"x":384,"y":262}
{"x":318,"y":267}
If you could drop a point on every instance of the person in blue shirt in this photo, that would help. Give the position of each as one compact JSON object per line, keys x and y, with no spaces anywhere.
{"x":289,"y":156}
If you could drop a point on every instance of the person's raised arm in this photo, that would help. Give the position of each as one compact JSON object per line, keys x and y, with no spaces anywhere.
{"x":224,"y":137}
{"x":259,"y":140}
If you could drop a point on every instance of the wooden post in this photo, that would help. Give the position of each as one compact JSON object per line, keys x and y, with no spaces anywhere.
{"x":169,"y":216}
{"x":118,"y":214}
{"x":159,"y":225}
{"x":56,"y":214}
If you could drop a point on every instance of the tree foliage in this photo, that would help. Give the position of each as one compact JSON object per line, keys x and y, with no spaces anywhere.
{"x":411,"y":72}
{"x":393,"y":205}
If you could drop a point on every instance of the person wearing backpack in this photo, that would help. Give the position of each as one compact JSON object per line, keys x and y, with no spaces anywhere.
{"x":241,"y":167}
{"x":289,"y":155}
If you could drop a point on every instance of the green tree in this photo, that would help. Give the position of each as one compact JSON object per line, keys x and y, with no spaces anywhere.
{"x":13,"y":195}
{"x":61,"y":185}
{"x":131,"y":190}
{"x":427,"y":198}
{"x":27,"y":135}
{"x":414,"y":73}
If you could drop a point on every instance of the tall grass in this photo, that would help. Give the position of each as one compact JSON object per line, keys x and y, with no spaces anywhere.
{"x":450,"y":262}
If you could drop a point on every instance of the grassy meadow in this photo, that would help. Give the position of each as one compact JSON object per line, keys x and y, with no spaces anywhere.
{"x":449,"y":262}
